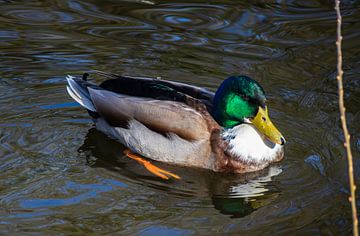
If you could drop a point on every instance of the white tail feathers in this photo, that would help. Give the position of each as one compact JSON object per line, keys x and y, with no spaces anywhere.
{"x":79,"y":94}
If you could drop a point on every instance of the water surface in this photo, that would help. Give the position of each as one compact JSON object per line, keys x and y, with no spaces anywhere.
{"x":59,"y":175}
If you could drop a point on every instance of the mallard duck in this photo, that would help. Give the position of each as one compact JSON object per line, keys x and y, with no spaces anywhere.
{"x":226,"y":131}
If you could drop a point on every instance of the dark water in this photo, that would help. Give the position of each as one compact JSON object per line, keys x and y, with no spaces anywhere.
{"x":59,"y":175}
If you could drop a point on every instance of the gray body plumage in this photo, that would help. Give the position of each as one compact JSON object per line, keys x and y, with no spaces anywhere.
{"x":156,"y":146}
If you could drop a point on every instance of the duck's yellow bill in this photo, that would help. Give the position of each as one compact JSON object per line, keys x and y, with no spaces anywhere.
{"x":263,"y":123}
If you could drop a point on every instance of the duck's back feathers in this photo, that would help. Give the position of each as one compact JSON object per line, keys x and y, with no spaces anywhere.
{"x":159,"y":115}
{"x":163,"y":106}
{"x":155,"y":88}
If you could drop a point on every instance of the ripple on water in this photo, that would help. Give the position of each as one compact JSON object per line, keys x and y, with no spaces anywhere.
{"x":181,"y":16}
{"x":90,"y":191}
{"x":39,"y":16}
{"x":8,"y":35}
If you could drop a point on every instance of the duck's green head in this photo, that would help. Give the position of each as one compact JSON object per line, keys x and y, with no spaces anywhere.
{"x":240,"y":99}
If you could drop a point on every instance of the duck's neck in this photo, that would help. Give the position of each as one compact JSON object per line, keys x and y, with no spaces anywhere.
{"x":247,"y":145}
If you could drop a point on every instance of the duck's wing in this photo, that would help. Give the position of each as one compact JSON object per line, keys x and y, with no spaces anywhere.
{"x":155,"y":88}
{"x":163,"y":106}
{"x":162,"y":116}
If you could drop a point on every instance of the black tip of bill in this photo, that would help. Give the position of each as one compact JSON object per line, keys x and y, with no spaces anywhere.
{"x":283,"y":141}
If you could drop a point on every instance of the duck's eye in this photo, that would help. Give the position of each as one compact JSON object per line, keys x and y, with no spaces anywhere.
{"x":263,"y":118}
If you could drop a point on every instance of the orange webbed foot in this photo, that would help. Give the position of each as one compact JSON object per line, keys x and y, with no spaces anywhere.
{"x":150,"y":167}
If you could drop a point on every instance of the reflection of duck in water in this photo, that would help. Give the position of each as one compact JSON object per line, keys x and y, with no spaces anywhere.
{"x":229,"y":131}
{"x":235,"y":195}
{"x":239,"y":199}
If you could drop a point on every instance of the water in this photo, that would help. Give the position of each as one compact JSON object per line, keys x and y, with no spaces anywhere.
{"x":59,"y":175}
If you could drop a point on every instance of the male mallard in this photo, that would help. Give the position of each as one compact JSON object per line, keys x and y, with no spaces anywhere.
{"x":173,"y":122}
